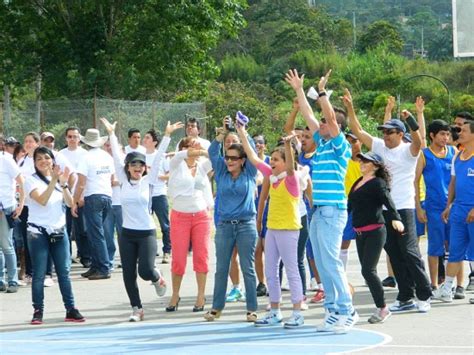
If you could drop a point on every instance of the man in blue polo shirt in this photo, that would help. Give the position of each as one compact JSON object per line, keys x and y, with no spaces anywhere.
{"x":329,"y":199}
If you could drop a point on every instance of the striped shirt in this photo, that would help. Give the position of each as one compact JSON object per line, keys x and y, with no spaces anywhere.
{"x":329,"y":170}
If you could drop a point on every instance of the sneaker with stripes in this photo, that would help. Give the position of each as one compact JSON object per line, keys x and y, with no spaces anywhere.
{"x":330,"y":324}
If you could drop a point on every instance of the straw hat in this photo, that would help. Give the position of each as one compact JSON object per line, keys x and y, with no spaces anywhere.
{"x":93,"y":138}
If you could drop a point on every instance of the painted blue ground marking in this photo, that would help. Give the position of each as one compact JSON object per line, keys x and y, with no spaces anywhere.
{"x":188,"y":338}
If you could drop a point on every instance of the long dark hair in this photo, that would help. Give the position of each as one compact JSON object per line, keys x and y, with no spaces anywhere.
{"x":45,"y":151}
{"x":383,"y":173}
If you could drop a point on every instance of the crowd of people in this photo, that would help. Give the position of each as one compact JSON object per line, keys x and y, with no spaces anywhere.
{"x":321,"y":187}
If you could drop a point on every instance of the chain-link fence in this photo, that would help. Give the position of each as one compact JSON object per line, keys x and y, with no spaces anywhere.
{"x":56,"y":115}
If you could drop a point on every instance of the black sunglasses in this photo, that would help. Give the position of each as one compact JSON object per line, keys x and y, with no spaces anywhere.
{"x":232,"y":158}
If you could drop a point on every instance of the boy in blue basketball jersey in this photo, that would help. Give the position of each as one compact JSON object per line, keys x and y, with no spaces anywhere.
{"x":434,"y":164}
{"x":460,"y":211}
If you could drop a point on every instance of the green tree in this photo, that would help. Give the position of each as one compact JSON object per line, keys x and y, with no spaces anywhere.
{"x":381,"y":32}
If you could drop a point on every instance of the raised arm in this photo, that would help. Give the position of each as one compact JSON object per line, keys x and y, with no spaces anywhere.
{"x":251,"y":154}
{"x":289,"y":156}
{"x":160,"y":153}
{"x":326,"y":107}
{"x":20,"y":181}
{"x":354,"y":123}
{"x":420,"y":108}
{"x":389,"y":109}
{"x":415,"y":145}
{"x":296,"y":83}
{"x":290,"y":121}
{"x":116,"y":154}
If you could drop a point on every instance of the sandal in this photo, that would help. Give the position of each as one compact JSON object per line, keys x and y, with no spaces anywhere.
{"x":212,"y":315}
{"x":251,"y":317}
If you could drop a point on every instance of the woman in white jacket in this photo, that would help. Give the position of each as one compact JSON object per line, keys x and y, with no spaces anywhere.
{"x":137,"y":244}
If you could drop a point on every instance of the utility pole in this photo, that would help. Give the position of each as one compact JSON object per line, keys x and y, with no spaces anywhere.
{"x":354,"y":28}
{"x":422,"y":41}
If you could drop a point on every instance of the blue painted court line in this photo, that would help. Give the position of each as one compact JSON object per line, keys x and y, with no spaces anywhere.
{"x":189,"y":338}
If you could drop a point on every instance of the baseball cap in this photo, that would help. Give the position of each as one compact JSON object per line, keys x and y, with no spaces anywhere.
{"x":372,"y":157}
{"x":394,"y":123}
{"x":134,"y":157}
{"x":45,"y":135}
{"x":11,"y":141}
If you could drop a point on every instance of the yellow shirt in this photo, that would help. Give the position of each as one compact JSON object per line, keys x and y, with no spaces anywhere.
{"x":283,"y":213}
{"x":352,"y":174}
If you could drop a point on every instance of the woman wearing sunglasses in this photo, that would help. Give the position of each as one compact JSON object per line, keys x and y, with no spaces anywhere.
{"x":137,"y":244}
{"x":236,"y":186}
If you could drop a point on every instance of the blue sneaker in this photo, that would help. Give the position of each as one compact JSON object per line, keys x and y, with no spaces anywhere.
{"x":401,"y":306}
{"x":296,"y":320}
{"x":270,"y":320}
{"x":235,"y":295}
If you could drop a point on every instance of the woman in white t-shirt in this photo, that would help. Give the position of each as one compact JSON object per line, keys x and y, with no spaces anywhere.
{"x":47,"y":192}
{"x":191,"y":197}
{"x":137,"y":243}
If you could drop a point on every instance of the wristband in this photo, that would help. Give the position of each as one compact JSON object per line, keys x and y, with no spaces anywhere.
{"x":64,"y":186}
{"x":411,"y":122}
{"x":322,"y":93}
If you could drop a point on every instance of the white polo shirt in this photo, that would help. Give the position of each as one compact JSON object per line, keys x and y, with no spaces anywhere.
{"x":97,"y":167}
{"x":9,"y":171}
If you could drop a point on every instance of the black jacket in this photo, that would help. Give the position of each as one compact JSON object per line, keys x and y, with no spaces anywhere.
{"x":366,"y":203}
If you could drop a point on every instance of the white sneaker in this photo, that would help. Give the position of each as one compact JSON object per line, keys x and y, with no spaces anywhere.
{"x":160,"y":286}
{"x":348,"y":321}
{"x":48,"y":281}
{"x":380,"y":315}
{"x":423,"y":306}
{"x":330,"y":323}
{"x":313,"y":285}
{"x":137,"y":314}
{"x":271,"y":319}
{"x":296,"y":320}
{"x":443,"y":294}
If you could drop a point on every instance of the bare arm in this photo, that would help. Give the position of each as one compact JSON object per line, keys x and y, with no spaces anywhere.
{"x":451,"y":196}
{"x":420,"y":165}
{"x":415,"y":145}
{"x":420,"y":108}
{"x":251,"y":154}
{"x":261,"y":202}
{"x":326,"y":107}
{"x":296,"y":83}
{"x":289,"y":156}
{"x":389,"y":109}
{"x":290,"y":121}
{"x":354,"y":123}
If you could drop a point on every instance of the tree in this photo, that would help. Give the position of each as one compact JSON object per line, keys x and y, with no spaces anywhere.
{"x":381,"y":32}
{"x":123,"y":48}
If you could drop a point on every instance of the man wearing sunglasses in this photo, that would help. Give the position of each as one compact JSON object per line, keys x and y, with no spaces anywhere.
{"x":400,"y":159}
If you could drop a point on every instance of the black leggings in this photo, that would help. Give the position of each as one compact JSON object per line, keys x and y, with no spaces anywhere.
{"x":369,"y":248}
{"x":138,"y":246}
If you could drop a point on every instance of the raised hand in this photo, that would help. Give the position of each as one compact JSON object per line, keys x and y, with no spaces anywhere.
{"x":390,"y":104}
{"x":347,"y":99}
{"x":296,"y":105}
{"x":170,"y":128}
{"x":109,"y":127}
{"x":295,"y":81}
{"x":420,"y":104}
{"x":289,"y":137}
{"x":323,"y":81}
{"x":64,"y":176}
{"x":405,"y":114}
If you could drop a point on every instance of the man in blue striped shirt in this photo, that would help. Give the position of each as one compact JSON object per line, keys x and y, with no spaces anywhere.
{"x":330,"y":212}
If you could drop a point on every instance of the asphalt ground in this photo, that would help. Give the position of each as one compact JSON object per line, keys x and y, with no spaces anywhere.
{"x":446,"y":329}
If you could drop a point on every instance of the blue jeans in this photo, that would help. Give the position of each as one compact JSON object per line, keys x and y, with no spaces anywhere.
{"x":159,"y":205}
{"x":77,"y":229}
{"x":96,"y":209}
{"x":326,"y":228}
{"x":244,"y":236}
{"x":7,"y":251}
{"x":113,"y":223}
{"x":40,"y":249}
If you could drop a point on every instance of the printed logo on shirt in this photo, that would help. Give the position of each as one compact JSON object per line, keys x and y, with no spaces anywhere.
{"x":103,"y":170}
{"x":448,"y":166}
{"x":470,"y":172}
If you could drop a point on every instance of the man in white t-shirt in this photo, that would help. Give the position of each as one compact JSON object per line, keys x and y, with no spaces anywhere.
{"x":10,"y":176}
{"x":75,"y":154}
{"x":94,"y":181}
{"x":134,"y":139}
{"x":400,"y":158}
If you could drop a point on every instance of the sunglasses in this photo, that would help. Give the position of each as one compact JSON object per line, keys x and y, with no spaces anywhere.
{"x":259,"y":141}
{"x":388,"y":132}
{"x":231,"y":158}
